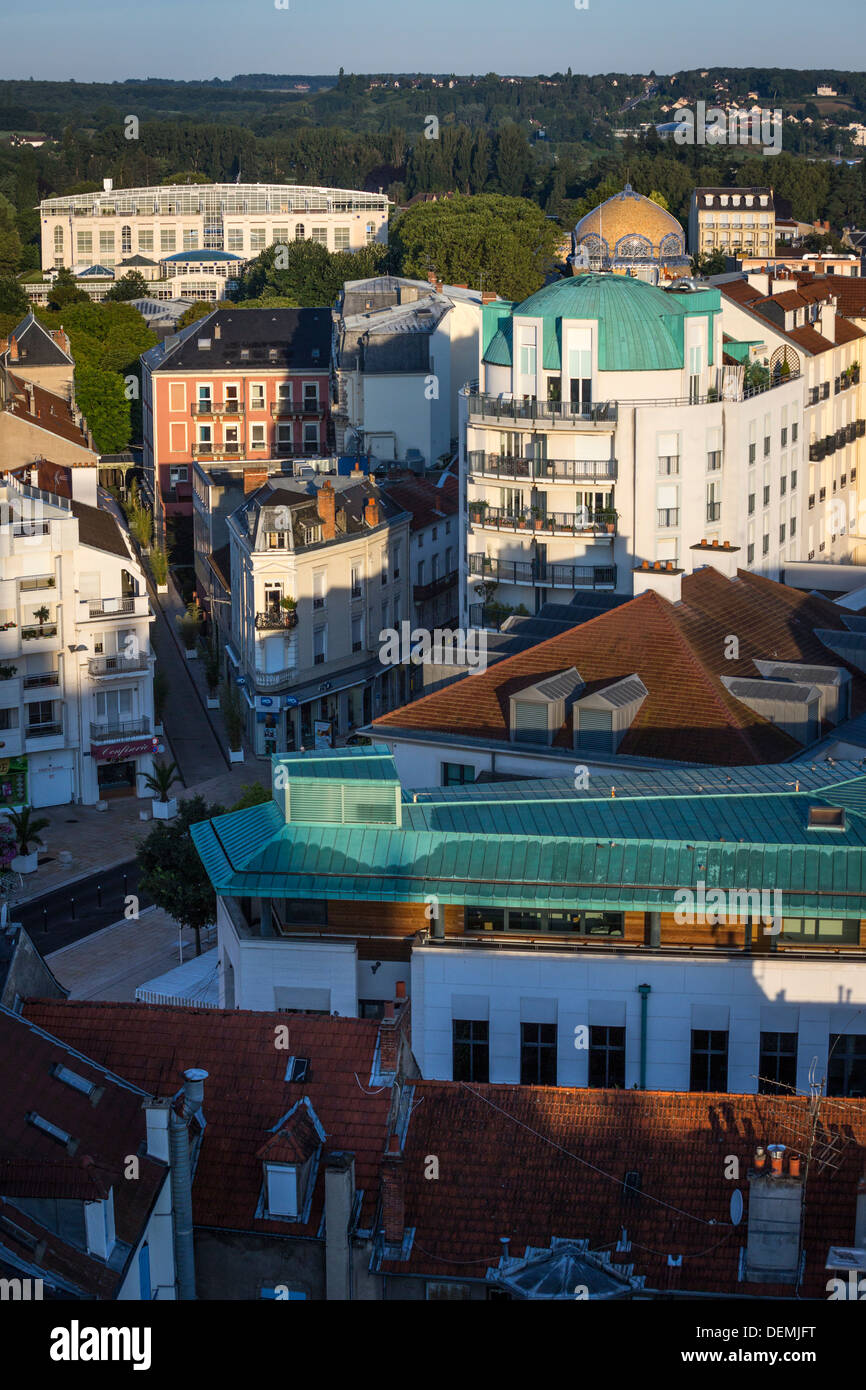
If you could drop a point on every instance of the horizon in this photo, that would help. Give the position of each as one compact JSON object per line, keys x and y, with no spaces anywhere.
{"x":358,"y":42}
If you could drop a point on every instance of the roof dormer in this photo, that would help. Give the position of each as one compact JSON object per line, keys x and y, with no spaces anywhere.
{"x":602,"y":719}
{"x":290,"y":1161}
{"x":537,"y":713}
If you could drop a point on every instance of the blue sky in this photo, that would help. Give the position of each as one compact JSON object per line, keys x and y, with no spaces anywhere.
{"x":94,"y":40}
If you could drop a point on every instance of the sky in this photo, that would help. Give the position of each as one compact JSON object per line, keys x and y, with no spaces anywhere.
{"x":98,"y":40}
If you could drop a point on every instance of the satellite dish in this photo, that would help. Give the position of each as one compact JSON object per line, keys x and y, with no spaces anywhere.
{"x":736,"y":1207}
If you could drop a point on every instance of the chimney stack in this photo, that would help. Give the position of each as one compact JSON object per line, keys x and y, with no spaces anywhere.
{"x":393,"y":1193}
{"x":13,"y":349}
{"x":326,"y":501}
{"x":371,"y":512}
{"x":775,"y":1210}
{"x":217,"y":330}
{"x":489,"y":297}
{"x":254,"y":478}
{"x":339,"y":1199}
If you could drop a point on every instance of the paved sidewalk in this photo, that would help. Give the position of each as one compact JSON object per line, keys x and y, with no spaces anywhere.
{"x":112,"y":963}
{"x":96,"y":840}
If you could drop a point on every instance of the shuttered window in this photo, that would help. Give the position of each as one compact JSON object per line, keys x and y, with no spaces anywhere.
{"x":595,"y":729}
{"x":530,"y":722}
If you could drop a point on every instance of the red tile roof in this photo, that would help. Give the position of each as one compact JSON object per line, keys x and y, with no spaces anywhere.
{"x":427,"y":501}
{"x":678,"y":652}
{"x":807,"y":337}
{"x":531,"y":1163}
{"x":246,"y":1092}
{"x":47,"y":411}
{"x":34,"y":1164}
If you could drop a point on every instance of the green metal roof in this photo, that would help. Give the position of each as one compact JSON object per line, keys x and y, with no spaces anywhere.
{"x":538,"y":848}
{"x":368,"y":763}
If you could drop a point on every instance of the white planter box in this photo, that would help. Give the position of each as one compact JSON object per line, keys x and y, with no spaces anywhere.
{"x":213,"y":701}
{"x":236,"y":755}
{"x":101,"y":806}
{"x":164,"y":810}
{"x":26,"y":863}
{"x":158,"y":729}
{"x":144,"y":814}
{"x":191,"y":654}
{"x":162,"y":588}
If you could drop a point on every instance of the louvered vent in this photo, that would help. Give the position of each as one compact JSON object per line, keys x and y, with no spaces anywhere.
{"x":595,"y":730}
{"x":347,"y":803}
{"x":531,"y":724}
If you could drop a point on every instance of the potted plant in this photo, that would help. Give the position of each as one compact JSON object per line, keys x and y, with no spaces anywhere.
{"x":7,"y":672}
{"x":26,"y":828}
{"x":41,"y":615}
{"x":211,"y":656}
{"x":161,"y":781}
{"x":159,"y":568}
{"x":537,"y":517}
{"x":230,"y":704}
{"x":289,"y":606}
{"x":160,"y":695}
{"x":190,"y":627}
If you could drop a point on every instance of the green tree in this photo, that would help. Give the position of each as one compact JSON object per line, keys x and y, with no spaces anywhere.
{"x":101,"y":398}
{"x":10,"y":241}
{"x":132,"y":285}
{"x":253,"y":795}
{"x":513,"y":161}
{"x":171,"y":872}
{"x":65,"y":291}
{"x":507,"y":243}
{"x":13,"y":300}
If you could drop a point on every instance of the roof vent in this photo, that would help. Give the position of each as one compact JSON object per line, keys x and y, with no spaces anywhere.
{"x":204,"y":344}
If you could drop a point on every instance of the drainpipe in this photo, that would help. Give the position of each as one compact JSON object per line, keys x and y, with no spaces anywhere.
{"x":181,"y":1180}
{"x":643,"y":991}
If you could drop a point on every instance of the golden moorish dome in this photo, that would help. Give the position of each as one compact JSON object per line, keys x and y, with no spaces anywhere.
{"x":629,"y":230}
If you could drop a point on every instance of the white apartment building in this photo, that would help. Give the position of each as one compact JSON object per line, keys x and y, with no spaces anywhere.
{"x":612,"y":427}
{"x":76,"y":670}
{"x":402,"y":350}
{"x":105,"y":228}
{"x":796,"y":322}
{"x":732,"y":220}
{"x":317,"y":570}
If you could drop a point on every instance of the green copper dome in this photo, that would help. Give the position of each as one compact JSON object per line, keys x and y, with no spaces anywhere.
{"x":640,"y":327}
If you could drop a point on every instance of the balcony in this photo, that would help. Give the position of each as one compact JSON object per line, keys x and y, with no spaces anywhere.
{"x":714,"y":511}
{"x":548,"y":470}
{"x":129,"y":604}
{"x":550,"y":413}
{"x":43,"y":731}
{"x":41,"y":679}
{"x":224,"y":450}
{"x":422,"y":592}
{"x":39,"y":632}
{"x":582,"y":523}
{"x":220,"y":409}
{"x":276,"y":621}
{"x":268,"y":680}
{"x":544,"y":575}
{"x":288,"y":410}
{"x":103,"y":667}
{"x":119,"y":730}
{"x":36,"y":584}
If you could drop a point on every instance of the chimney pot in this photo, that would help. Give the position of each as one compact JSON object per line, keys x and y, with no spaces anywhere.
{"x":401,"y":989}
{"x":760,"y":1158}
{"x":645,"y":565}
{"x":389,"y":1009}
{"x":669,"y":565}
{"x":794,"y":1165}
{"x":715,"y":545}
{"x":727,"y":545}
{"x":394,"y":1145}
{"x":777,"y":1158}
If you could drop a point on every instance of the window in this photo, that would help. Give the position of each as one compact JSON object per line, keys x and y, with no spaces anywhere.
{"x":751,"y":504}
{"x":371,"y":232}
{"x":320,"y":645}
{"x":257,"y":437}
{"x":319,"y":581}
{"x":84,"y":243}
{"x":311,"y":439}
{"x":846,"y":1066}
{"x":538,"y":1054}
{"x":357,"y":633}
{"x":668,"y":464}
{"x":311,"y":395}
{"x":106,"y":246}
{"x":371,"y":1008}
{"x":300,"y":234}
{"x":578,"y":922}
{"x":126,"y":240}
{"x":319,"y":234}
{"x":395,"y":562}
{"x":527,"y":358}
{"x":709,"y":1063}
{"x":258,"y":239}
{"x":282,"y":1189}
{"x":783,"y":485}
{"x":471,"y":1049}
{"x":235,"y":239}
{"x":714,"y":460}
{"x":606,"y":1056}
{"x":457,"y":774}
{"x":8,"y":718}
{"x":40,"y":713}
{"x":836,"y":931}
{"x":257,"y":396}
{"x":357,"y":581}
{"x":190,"y":238}
{"x":341,"y":238}
{"x":777,"y":1067}
{"x":766,"y":495}
{"x":167,"y":239}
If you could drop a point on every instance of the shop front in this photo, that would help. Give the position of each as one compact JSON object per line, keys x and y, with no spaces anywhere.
{"x":13,"y":782}
{"x":118,"y":764}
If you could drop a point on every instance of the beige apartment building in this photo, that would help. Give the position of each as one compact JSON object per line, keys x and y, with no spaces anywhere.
{"x":732,"y":220}
{"x":107,"y":228}
{"x":317,"y":570}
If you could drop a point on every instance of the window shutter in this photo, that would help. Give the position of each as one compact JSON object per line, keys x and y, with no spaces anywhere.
{"x":530,"y":722}
{"x":595,"y":729}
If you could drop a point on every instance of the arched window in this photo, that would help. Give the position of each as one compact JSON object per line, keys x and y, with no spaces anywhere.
{"x":126,"y":241}
{"x":58,"y":241}
{"x":300,"y":232}
{"x":634,"y":248}
{"x":671,"y":245}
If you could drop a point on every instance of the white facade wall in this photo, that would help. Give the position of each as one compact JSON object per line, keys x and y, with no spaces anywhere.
{"x":64,"y":690}
{"x":159,"y":1237}
{"x":261,"y":966}
{"x":745,"y":996}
